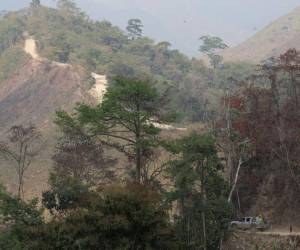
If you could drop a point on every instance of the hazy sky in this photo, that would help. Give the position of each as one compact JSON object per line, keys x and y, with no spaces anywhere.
{"x":182,"y":22}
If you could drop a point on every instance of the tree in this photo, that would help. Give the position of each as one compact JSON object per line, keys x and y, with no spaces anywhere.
{"x":134,"y":28}
{"x":200,"y":191}
{"x":64,"y":194}
{"x":232,"y":140}
{"x":63,"y":51}
{"x":79,"y":156}
{"x":23,"y":146}
{"x":35,"y":3}
{"x":16,"y":216}
{"x":14,"y":211}
{"x":125,"y":119}
{"x":68,"y":6}
{"x":260,"y":129}
{"x":110,"y":218}
{"x":210,"y":46}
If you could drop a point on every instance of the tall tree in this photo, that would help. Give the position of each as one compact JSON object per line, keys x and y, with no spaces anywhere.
{"x":210,"y":46}
{"x":80,"y":157}
{"x":134,"y":28}
{"x":231,"y":139}
{"x":35,"y":3}
{"x":23,"y":146}
{"x":200,"y":191}
{"x":125,"y":119}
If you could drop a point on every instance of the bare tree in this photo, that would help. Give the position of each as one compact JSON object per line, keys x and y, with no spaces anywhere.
{"x":22,"y":147}
{"x":80,"y":157}
{"x":235,"y":147}
{"x":155,"y":163}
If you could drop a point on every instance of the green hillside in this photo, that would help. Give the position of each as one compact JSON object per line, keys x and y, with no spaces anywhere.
{"x":68,"y":35}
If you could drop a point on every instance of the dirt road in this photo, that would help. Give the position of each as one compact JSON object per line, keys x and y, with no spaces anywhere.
{"x":97,"y":91}
{"x":30,"y":48}
{"x":281,"y":233}
{"x":100,"y":88}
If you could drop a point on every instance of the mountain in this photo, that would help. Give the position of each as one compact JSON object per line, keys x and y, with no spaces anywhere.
{"x":51,"y":59}
{"x":273,"y":40}
{"x":183,"y":22}
{"x":89,"y":49}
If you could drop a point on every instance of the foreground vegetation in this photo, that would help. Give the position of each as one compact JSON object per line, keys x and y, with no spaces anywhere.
{"x":93,"y":206}
{"x":146,"y":201}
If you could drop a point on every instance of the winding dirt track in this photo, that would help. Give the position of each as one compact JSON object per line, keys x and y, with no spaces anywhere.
{"x":30,"y":48}
{"x":97,"y":91}
{"x":100,"y":88}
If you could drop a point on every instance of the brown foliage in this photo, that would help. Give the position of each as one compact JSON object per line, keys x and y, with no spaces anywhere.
{"x":268,"y":115}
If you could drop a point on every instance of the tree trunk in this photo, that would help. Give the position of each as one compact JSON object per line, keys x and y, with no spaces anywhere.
{"x":228,"y":133}
{"x":138,"y":164}
{"x":19,"y":189}
{"x":204,"y":230}
{"x":235,"y":180}
{"x":203,"y":207}
{"x":20,"y":186}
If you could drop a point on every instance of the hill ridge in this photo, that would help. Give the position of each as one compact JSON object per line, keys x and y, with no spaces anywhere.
{"x":273,"y":40}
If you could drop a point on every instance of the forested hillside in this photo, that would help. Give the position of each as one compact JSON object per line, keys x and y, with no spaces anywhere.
{"x":67,"y":35}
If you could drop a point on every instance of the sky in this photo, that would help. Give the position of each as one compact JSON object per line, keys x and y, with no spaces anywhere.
{"x":182,"y":22}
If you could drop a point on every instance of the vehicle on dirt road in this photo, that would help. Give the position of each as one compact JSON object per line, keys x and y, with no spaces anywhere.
{"x":250,"y":223}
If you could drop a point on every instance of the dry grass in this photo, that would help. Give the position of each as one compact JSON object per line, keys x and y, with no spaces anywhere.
{"x":273,"y":40}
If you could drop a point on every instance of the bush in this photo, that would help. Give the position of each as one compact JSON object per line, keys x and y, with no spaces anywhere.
{"x":111,"y":218}
{"x":16,"y":216}
{"x":10,"y":61}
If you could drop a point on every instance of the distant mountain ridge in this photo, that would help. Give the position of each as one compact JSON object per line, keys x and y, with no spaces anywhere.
{"x":273,"y":40}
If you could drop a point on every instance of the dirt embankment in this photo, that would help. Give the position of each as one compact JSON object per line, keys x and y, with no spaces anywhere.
{"x":101,"y":84}
{"x":100,"y":88}
{"x":262,"y":241}
{"x":30,"y":48}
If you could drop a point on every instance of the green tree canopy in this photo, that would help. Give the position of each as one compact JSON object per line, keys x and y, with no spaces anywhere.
{"x":210,"y":46}
{"x":134,"y":28}
{"x":68,"y":6}
{"x":35,"y":3}
{"x":125,"y":118}
{"x":201,"y":192}
{"x":111,"y":218}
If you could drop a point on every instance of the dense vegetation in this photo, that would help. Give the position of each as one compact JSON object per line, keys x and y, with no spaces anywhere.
{"x":139,"y":210}
{"x":263,"y":123}
{"x":10,"y":61}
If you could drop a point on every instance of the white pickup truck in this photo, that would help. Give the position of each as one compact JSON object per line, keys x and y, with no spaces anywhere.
{"x":247,"y":223}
